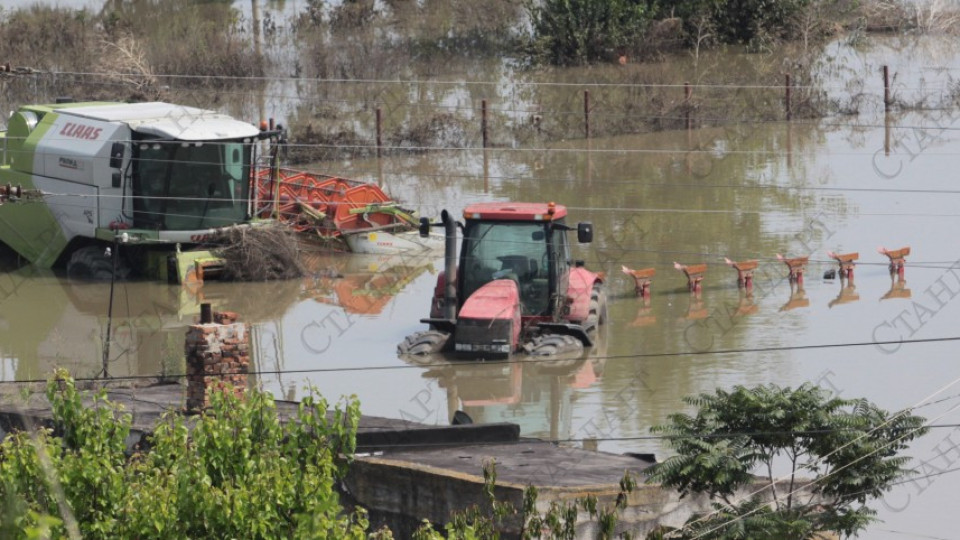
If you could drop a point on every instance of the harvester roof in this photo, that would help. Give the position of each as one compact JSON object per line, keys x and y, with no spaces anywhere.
{"x":165,"y":120}
{"x":515,"y":211}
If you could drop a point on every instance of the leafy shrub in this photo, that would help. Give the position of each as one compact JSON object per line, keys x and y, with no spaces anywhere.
{"x":238,"y":473}
{"x":585,"y":31}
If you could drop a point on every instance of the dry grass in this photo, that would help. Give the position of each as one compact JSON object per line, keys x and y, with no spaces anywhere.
{"x":131,"y":43}
{"x":48,"y":37}
{"x":936,"y":16}
{"x":124,"y":64}
{"x":264,"y":253}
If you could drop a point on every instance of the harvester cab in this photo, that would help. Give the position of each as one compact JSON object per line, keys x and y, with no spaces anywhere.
{"x":514,"y":288}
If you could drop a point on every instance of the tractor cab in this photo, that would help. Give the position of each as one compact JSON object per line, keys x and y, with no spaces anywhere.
{"x":515,"y":287}
{"x":516,"y":243}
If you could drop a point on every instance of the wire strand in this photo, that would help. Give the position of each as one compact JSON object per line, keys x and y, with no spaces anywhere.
{"x":537,"y":360}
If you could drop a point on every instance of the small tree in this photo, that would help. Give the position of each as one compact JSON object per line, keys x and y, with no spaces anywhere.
{"x":839,"y":454}
{"x":585,"y":31}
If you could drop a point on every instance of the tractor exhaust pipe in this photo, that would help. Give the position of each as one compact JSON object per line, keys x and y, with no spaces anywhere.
{"x":450,"y":266}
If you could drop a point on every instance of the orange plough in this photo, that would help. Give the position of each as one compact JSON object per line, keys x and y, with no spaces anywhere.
{"x":744,"y":272}
{"x":796,"y":265}
{"x":898,"y":258}
{"x":642,"y":278}
{"x":847,"y":262}
{"x":694,"y":273}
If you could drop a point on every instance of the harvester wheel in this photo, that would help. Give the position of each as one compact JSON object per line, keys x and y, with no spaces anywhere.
{"x":91,"y":263}
{"x":598,"y":308}
{"x":421,"y":343}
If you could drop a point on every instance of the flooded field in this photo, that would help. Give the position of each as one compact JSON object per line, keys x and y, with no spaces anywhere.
{"x":744,"y":191}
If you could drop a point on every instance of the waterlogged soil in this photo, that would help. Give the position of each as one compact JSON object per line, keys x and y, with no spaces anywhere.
{"x":744,"y":191}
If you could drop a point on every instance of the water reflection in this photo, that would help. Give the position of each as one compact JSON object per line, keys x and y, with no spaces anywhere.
{"x":695,"y":308}
{"x":745,"y":304}
{"x":798,"y":297}
{"x":645,"y":316}
{"x":536,"y":393}
{"x":898,"y":288}
{"x":362,"y":284}
{"x":47,"y":321}
{"x":848,"y":293}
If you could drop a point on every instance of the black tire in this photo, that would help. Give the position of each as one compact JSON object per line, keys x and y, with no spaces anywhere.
{"x":423,"y":343}
{"x":598,"y":308}
{"x":91,"y":263}
{"x":554,"y":345}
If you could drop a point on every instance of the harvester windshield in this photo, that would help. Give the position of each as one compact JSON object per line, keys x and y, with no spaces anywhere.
{"x":511,"y":250}
{"x":181,"y":185}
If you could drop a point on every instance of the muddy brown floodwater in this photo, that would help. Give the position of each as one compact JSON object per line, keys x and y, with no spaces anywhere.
{"x":745,"y":191}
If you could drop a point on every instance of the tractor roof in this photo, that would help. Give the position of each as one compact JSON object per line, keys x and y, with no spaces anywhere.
{"x":515,"y":211}
{"x":164,"y":120}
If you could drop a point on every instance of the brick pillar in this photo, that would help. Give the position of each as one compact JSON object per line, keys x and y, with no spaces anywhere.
{"x":217,"y":354}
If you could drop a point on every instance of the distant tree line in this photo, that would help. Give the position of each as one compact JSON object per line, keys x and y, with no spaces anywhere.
{"x":588,"y":31}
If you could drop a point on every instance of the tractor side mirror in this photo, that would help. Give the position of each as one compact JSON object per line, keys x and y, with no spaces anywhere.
{"x":584,"y":233}
{"x":116,"y":155}
{"x":424,"y":227}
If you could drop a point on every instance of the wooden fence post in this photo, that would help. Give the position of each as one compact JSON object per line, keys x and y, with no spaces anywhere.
{"x":483,"y":121}
{"x":886,"y":88}
{"x":379,"y":132}
{"x":586,"y":112}
{"x":787,"y":104}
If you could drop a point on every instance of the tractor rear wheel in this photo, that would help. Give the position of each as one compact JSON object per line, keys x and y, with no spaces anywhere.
{"x":91,"y":263}
{"x":422,"y":343}
{"x":598,"y":308}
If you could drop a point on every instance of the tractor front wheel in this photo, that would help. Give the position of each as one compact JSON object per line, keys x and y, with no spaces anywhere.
{"x":423,"y":343}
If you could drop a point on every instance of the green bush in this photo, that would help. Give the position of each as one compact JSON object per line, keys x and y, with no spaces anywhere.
{"x":585,"y":31}
{"x":239,"y":473}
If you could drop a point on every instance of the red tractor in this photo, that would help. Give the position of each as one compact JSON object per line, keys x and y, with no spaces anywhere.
{"x":515,"y":287}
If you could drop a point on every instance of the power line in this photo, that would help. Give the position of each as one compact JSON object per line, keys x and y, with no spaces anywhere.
{"x":531,"y":109}
{"x":538,"y":360}
{"x":406,"y":149}
{"x":607,"y":209}
{"x":320,"y":80}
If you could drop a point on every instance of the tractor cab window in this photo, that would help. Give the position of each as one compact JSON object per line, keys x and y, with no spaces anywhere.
{"x":508,"y":250}
{"x":190,"y":185}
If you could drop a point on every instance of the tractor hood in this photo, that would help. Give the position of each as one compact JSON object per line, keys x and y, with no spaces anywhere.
{"x":488,"y":324}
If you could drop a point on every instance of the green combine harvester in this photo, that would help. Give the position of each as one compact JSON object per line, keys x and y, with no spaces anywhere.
{"x":157,"y":178}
